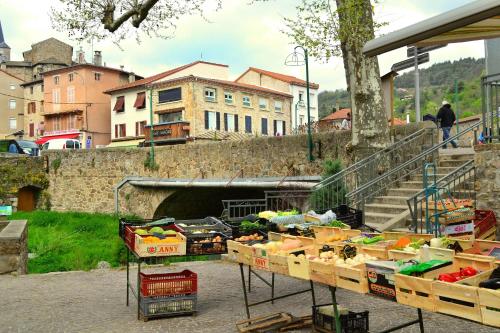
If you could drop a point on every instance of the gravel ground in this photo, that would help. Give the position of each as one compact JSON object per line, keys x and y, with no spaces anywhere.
{"x":95,"y":302}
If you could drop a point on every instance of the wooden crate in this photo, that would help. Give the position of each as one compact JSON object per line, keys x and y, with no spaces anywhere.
{"x":489,"y":302}
{"x":478,"y":246}
{"x":457,"y":299}
{"x":392,"y":235}
{"x":239,"y":252}
{"x":298,"y":267}
{"x":415,"y":291}
{"x":479,"y":262}
{"x":401,"y":255}
{"x":380,"y":252}
{"x":327,"y":235}
{"x":352,"y":278}
{"x":278,"y":264}
{"x":322,"y":272}
{"x":177,"y":248}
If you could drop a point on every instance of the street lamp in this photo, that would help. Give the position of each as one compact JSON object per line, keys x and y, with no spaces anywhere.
{"x":299,"y":102}
{"x":298,"y":59}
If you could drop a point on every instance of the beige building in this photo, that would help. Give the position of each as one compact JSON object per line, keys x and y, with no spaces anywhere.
{"x":11,"y":105}
{"x":34,"y":125}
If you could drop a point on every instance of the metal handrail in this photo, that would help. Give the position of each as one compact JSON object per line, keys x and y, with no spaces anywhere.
{"x":358,"y":165}
{"x":420,"y":157}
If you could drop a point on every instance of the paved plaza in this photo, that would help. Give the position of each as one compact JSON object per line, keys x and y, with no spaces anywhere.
{"x":95,"y":302}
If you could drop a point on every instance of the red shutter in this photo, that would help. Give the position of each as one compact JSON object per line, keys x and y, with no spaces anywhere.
{"x":140,"y":101}
{"x":124,"y":130}
{"x":32,"y":130}
{"x":116,"y":131}
{"x":136,"y":128}
{"x":34,"y":107}
{"x":120,"y":102}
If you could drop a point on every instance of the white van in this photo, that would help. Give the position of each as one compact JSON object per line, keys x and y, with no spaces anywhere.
{"x":62,"y":144}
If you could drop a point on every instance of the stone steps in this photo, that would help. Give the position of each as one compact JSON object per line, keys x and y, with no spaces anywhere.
{"x":391,"y":200}
{"x":411,"y":184}
{"x":403,"y":192}
{"x":385,"y":208}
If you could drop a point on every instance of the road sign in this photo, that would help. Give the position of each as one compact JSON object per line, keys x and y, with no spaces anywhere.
{"x":410,"y":51}
{"x":399,"y":66}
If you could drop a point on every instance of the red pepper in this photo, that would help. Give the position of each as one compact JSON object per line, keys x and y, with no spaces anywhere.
{"x":468,"y":271}
{"x":457,"y":276}
{"x":447,"y":278}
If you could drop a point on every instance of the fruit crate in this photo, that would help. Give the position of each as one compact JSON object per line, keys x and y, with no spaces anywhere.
{"x":322,"y":272}
{"x":489,"y":302}
{"x":168,"y":284}
{"x":130,"y":235}
{"x":123,"y":222}
{"x":298,"y":267}
{"x":239,"y":252}
{"x":199,"y":244}
{"x":237,"y":235}
{"x":354,"y":322}
{"x":205,"y":225}
{"x":352,"y":278}
{"x":278,"y":264}
{"x":168,"y":305}
{"x":176,"y":246}
{"x":484,"y":223}
{"x":350,"y":216}
{"x":325,"y":235}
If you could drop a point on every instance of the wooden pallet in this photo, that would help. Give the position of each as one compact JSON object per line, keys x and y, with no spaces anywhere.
{"x":264,"y":323}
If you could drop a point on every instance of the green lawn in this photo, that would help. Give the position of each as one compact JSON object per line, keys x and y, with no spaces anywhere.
{"x":71,"y":241}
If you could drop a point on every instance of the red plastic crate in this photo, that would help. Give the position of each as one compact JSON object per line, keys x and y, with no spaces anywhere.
{"x":130,"y":235}
{"x":485,"y":220}
{"x":169,"y":284}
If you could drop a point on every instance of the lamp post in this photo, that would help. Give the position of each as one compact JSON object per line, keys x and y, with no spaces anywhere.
{"x":151,"y":136}
{"x":295,"y":59}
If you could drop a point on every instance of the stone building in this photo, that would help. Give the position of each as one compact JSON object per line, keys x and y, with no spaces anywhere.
{"x":33,"y":109}
{"x":11,"y":105}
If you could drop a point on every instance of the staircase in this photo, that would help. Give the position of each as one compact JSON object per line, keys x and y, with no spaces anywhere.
{"x":391,"y":211}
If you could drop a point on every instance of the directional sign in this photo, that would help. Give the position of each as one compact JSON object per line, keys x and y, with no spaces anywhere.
{"x":410,"y":52}
{"x":422,"y":58}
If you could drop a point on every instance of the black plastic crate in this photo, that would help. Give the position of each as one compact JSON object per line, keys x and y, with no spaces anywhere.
{"x":354,"y":322}
{"x":168,"y":305}
{"x":196,"y":244}
{"x":123,"y":222}
{"x":350,"y":216}
{"x":209,"y":223}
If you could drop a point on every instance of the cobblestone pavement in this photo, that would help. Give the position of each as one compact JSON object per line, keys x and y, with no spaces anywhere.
{"x":95,"y":302}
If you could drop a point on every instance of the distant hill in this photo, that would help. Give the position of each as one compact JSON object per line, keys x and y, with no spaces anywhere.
{"x":437,"y":83}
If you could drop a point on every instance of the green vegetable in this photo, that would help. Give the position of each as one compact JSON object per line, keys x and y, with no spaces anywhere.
{"x":247,"y":226}
{"x":373,"y":240}
{"x":289,"y":213}
{"x":337,"y":224}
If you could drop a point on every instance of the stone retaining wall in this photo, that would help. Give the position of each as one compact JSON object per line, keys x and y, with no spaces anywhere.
{"x":14,"y":247}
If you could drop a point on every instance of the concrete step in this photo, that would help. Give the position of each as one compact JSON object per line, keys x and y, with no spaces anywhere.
{"x":403,"y":192}
{"x":391,"y":200}
{"x":456,"y":157}
{"x":420,"y":177}
{"x":385,"y":223}
{"x":452,"y":163}
{"x":384,"y":208}
{"x":377,"y":218}
{"x":411,"y":184}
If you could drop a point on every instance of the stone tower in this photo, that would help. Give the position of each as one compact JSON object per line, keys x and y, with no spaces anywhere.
{"x":4,"y":48}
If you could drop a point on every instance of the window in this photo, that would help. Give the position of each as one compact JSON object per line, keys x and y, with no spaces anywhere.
{"x":248,"y":124}
{"x":31,"y":107}
{"x":70,"y":144}
{"x":120,"y":130}
{"x":12,"y":87}
{"x":31,"y":90}
{"x":212,"y":120}
{"x":210,"y":94}
{"x":278,"y":106}
{"x":42,"y":87}
{"x":301,"y":95}
{"x":12,"y":104}
{"x":139,"y":128}
{"x":279,"y":128}
{"x":70,"y":77}
{"x":230,"y":122}
{"x":120,"y":104}
{"x":312,"y":119}
{"x":301,"y":120}
{"x":228,"y":98}
{"x":71,"y":94}
{"x":263,"y":126}
{"x":246,"y":101}
{"x":56,"y":97}
{"x":12,"y":123}
{"x":170,"y":95}
{"x":32,"y":130}
{"x":71,"y":121}
{"x":311,"y":100}
{"x":56,"y":79}
{"x":97,"y":76}
{"x":263,"y":103}
{"x":140,"y":101}
{"x":171,"y":116}
{"x":57,"y":123}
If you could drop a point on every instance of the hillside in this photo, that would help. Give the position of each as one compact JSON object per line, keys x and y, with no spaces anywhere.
{"x":437,"y":83}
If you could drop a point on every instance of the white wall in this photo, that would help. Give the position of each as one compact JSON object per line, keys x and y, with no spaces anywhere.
{"x":302,"y":110}
{"x":131,"y":115}
{"x":202,"y":70}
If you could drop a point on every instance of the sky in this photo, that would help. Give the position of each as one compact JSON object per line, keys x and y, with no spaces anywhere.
{"x":239,"y":35}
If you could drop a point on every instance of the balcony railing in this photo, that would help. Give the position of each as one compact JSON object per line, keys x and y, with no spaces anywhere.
{"x":165,"y":133}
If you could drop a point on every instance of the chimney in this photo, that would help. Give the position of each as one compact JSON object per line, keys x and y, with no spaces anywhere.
{"x":97,"y":58}
{"x":131,"y":77}
{"x":80,"y":56}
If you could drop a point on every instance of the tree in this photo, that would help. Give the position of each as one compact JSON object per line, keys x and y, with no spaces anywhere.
{"x":330,"y":28}
{"x":101,"y":19}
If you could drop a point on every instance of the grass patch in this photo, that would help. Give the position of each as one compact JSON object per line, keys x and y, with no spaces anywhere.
{"x":71,"y":241}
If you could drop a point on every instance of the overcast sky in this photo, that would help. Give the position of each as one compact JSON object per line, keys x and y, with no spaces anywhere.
{"x":238,"y":35}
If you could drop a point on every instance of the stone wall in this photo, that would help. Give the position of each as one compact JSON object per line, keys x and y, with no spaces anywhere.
{"x":13,"y":247}
{"x":487,"y":161}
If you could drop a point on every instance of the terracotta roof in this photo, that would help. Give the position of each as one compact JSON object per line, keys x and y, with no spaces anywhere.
{"x":282,"y":77}
{"x":230,"y":84}
{"x":159,"y":76}
{"x":337,"y":115}
{"x":15,"y":77}
{"x":90,"y":65}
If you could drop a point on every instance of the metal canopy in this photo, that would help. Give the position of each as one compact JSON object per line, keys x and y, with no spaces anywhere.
{"x":475,"y":21}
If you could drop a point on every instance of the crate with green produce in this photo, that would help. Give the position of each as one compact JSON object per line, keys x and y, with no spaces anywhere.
{"x":368,"y":243}
{"x":326,"y":235}
{"x":206,"y":225}
{"x":248,"y":231}
{"x":350,"y":216}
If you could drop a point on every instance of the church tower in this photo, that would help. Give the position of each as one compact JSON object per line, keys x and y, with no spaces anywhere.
{"x":4,"y":48}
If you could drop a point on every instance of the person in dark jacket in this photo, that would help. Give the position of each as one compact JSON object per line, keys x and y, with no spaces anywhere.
{"x":446,"y":118}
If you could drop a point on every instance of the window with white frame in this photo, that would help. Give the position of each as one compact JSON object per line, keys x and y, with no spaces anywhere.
{"x":210,"y":94}
{"x":262,"y":103}
{"x":246,"y":101}
{"x":211,"y":120}
{"x":171,"y":116}
{"x":57,"y":123}
{"x":301,"y":96}
{"x":278,"y":106}
{"x":12,"y":104}
{"x":311,"y":100}
{"x":71,"y":94}
{"x":12,"y":87}
{"x":279,"y":129}
{"x":228,"y":97}
{"x":56,"y":79}
{"x":12,"y":123}
{"x":56,"y":98}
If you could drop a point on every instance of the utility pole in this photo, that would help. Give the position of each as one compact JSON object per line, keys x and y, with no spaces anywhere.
{"x":417,"y":87}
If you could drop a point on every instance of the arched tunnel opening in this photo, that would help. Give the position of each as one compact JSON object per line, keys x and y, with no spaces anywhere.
{"x":194,"y":203}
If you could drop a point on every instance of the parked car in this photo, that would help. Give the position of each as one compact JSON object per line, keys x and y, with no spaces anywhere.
{"x":62,"y":144}
{"x":19,"y":147}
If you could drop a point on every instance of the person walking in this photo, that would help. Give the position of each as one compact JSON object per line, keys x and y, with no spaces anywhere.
{"x":446,"y":118}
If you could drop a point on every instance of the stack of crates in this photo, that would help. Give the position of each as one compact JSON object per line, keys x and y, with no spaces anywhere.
{"x":168,"y":294}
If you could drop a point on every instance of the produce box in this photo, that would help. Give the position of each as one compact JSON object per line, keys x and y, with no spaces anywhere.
{"x":239,"y":252}
{"x":485,"y":224}
{"x":129,"y":233}
{"x":298,"y":266}
{"x":381,"y":278}
{"x":204,"y":226}
{"x":278,"y":264}
{"x":322,"y":272}
{"x":174,"y":245}
{"x":489,"y":303}
{"x":392,"y":235}
{"x":400,"y":255}
{"x":329,"y":235}
{"x":479,"y":247}
{"x":448,"y":204}
{"x":352,"y":278}
{"x":212,"y":243}
{"x":457,"y":215}
{"x":168,"y":284}
{"x":350,"y":216}
{"x":457,"y":228}
{"x":168,"y":305}
{"x":141,"y":223}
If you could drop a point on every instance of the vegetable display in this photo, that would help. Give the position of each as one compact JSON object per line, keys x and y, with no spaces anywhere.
{"x":457,"y":276}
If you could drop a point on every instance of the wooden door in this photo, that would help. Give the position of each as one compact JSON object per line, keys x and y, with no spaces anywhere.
{"x":26,"y":199}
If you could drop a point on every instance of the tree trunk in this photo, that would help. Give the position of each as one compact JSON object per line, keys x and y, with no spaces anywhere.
{"x":370,"y":131}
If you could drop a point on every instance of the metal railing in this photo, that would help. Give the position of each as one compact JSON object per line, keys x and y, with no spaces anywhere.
{"x":331,"y":191}
{"x":234,"y":209}
{"x":459,"y":184}
{"x":379,"y":185}
{"x":490,"y":89}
